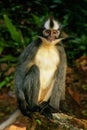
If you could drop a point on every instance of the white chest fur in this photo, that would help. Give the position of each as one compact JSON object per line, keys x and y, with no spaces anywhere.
{"x":47,"y":60}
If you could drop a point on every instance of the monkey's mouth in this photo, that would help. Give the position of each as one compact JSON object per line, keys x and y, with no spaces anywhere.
{"x":50,"y":41}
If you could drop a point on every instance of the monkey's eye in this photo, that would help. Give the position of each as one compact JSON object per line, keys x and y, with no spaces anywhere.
{"x":46,"y":32}
{"x":55,"y":31}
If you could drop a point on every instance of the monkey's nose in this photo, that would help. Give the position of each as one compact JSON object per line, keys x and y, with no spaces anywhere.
{"x":51,"y":38}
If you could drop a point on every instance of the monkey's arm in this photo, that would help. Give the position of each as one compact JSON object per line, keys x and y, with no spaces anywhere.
{"x":30,"y":51}
{"x":58,"y":93}
{"x":24,"y":77}
{"x":11,"y":119}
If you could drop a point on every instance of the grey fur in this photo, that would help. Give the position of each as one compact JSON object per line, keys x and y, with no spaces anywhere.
{"x":27,"y":81}
{"x":58,"y":93}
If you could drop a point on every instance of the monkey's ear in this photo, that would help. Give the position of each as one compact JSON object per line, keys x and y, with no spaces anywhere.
{"x":64,"y":35}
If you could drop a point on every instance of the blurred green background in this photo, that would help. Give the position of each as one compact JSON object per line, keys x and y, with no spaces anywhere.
{"x":20,"y":23}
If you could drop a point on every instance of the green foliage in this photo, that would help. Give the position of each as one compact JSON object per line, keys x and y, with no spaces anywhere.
{"x":16,"y":35}
{"x":20,"y":23}
{"x":84,"y":112}
{"x":38,"y":121}
{"x":2,"y":46}
{"x":75,"y":48}
{"x":9,"y":58}
{"x":16,"y":39}
{"x":7,"y":82}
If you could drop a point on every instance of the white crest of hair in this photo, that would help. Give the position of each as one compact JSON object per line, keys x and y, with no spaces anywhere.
{"x":56,"y":25}
{"x":47,"y":24}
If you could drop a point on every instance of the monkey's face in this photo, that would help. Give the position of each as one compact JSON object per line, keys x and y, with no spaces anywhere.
{"x":52,"y":30}
{"x":51,"y":34}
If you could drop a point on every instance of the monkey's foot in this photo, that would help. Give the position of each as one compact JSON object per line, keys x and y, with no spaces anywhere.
{"x":45,"y":110}
{"x":26,"y":112}
{"x":47,"y":113}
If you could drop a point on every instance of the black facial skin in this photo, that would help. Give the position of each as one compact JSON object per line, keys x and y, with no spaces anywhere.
{"x":51,"y":34}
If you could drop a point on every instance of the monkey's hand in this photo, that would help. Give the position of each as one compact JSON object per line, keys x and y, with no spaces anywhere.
{"x":45,"y":110}
{"x":24,"y":108}
{"x":27,"y":110}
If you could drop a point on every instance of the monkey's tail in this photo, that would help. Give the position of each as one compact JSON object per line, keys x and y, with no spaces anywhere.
{"x":10,"y":120}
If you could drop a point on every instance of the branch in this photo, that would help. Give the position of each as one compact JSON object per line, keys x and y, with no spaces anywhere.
{"x":10,"y":120}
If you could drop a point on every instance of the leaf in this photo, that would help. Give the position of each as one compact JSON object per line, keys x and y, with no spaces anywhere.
{"x":80,"y":99}
{"x":10,"y":71}
{"x":1,"y":50}
{"x":37,"y":20}
{"x":84,"y":112}
{"x":7,"y":58}
{"x":57,"y":1}
{"x":2,"y":84}
{"x":38,"y":121}
{"x":76,"y":96}
{"x":2,"y":46}
{"x":16,"y":35}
